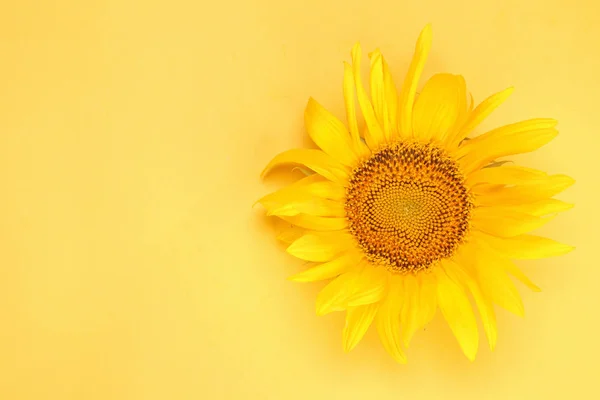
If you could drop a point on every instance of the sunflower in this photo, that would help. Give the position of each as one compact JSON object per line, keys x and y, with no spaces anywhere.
{"x":409,"y":214}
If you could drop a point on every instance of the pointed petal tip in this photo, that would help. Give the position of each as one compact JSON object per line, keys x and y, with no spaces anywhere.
{"x":426,"y":35}
{"x":398,"y":356}
{"x":321,"y":311}
{"x":427,"y":29}
{"x":506,"y":93}
{"x":374,"y":54}
{"x":564,"y":249}
{"x":400,"y":359}
{"x":470,"y":351}
{"x":569,"y":181}
{"x":266,"y":170}
{"x":296,"y":278}
{"x":534,"y":288}
{"x":292,"y":247}
{"x":348,"y":342}
{"x":311,"y":102}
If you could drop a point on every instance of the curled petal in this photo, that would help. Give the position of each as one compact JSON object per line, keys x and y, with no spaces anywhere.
{"x":331,"y":269}
{"x":320,"y":246}
{"x":313,"y":159}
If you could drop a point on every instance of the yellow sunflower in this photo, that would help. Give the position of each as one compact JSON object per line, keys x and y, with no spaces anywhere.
{"x":409,"y":215}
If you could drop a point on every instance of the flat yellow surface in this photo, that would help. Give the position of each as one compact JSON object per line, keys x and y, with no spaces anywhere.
{"x":132,"y":265}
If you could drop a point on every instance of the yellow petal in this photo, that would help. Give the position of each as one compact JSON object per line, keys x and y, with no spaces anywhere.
{"x":286,"y":203}
{"x":487,"y":315}
{"x":391,"y":101}
{"x":517,"y":138}
{"x":504,"y":221}
{"x":501,"y":262}
{"x":409,"y":316}
{"x":456,"y":308}
{"x":349,"y":94}
{"x":534,"y":124}
{"x":492,"y":277}
{"x":331,"y":269}
{"x":515,"y":271}
{"x":537,"y":190}
{"x":427,"y":298}
{"x":308,"y":195}
{"x":486,"y":312}
{"x":505,"y":175}
{"x":307,"y":180}
{"x":378,"y":89}
{"x":316,"y":223}
{"x":358,"y":321}
{"x":327,"y":189}
{"x":481,"y":112}
{"x":409,"y":88}
{"x":370,"y":287}
{"x":333,"y":296}
{"x":313,"y":159}
{"x":544,"y":207}
{"x":525,"y":247}
{"x":538,"y":208}
{"x":419,"y":304}
{"x":384,"y":95}
{"x":288,"y":233}
{"x":388,"y":322}
{"x":374,"y":135}
{"x":462,"y":269}
{"x":329,"y":133}
{"x":321,"y":246}
{"x":313,"y":185}
{"x":440,"y":105}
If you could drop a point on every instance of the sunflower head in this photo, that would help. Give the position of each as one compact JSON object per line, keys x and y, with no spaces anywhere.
{"x":407,"y":206}
{"x":408,"y":214}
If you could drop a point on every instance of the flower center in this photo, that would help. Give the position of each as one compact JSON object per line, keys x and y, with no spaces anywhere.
{"x":408,"y":207}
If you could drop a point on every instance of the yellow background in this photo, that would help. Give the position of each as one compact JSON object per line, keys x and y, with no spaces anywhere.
{"x":131,"y":139}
